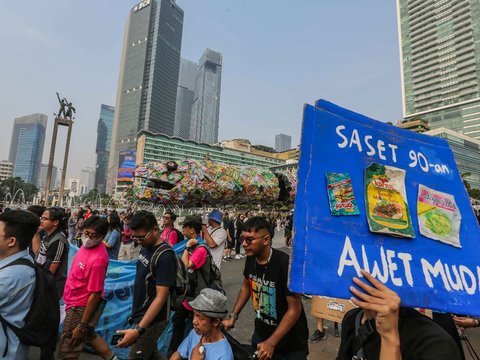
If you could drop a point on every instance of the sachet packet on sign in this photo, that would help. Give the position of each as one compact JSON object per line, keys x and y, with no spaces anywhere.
{"x":340,"y":194}
{"x":386,"y":201}
{"x":438,"y":216}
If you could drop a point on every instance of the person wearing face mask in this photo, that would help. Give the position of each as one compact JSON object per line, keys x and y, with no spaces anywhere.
{"x":83,"y":294}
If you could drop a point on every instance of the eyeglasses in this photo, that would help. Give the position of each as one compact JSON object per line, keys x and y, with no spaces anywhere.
{"x":92,"y":236}
{"x":249,"y":240}
{"x":140,"y":238}
{"x":43,"y":218}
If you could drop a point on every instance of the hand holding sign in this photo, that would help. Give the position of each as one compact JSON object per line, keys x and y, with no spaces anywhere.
{"x":383,"y":305}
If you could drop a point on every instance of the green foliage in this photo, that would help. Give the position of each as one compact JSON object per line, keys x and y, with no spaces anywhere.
{"x":13,"y":184}
{"x":94,"y":197}
{"x":474,"y":193}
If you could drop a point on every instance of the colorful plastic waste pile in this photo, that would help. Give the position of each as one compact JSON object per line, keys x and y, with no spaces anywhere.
{"x":191,"y":182}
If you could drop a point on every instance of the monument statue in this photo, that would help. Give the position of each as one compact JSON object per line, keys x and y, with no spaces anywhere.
{"x":66,"y":108}
{"x":70,"y":110}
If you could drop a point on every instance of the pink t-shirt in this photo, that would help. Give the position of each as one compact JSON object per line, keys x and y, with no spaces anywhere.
{"x":198,"y":257}
{"x":87,"y":275}
{"x":172,"y":236}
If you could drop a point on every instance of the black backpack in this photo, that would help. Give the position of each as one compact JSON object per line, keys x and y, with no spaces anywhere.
{"x":180,"y":236}
{"x":181,"y":279}
{"x":208,"y":275}
{"x":41,"y":323}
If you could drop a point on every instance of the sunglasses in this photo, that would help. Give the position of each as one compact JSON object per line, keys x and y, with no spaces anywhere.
{"x":250,"y":239}
{"x":140,"y":238}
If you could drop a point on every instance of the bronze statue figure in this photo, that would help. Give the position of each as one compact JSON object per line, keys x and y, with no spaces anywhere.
{"x":66,"y":108}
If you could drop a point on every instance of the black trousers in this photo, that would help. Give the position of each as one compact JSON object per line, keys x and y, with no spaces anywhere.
{"x":238,"y":243}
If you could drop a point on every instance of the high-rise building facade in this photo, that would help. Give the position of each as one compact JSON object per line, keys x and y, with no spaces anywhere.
{"x":104,"y":140}
{"x":147,"y":86}
{"x":185,"y":98}
{"x":466,"y":152}
{"x":440,"y":58}
{"x":42,"y":179}
{"x":6,"y":170}
{"x":87,"y":176}
{"x":26,"y":146}
{"x":283,"y":142}
{"x":206,"y":106}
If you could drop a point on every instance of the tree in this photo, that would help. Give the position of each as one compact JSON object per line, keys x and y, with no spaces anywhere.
{"x":93,"y":196}
{"x":13,"y":184}
{"x":474,"y":193}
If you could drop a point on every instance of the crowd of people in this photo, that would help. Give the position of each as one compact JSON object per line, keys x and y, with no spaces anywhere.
{"x":191,"y":285}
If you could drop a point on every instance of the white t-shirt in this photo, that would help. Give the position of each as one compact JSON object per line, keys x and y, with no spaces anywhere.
{"x":219,"y":235}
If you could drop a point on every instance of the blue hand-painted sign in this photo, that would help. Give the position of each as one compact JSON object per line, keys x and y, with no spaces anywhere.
{"x":441,"y":273}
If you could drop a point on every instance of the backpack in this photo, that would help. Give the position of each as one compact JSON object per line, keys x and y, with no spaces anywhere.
{"x":240,"y":351}
{"x":181,"y":278}
{"x":180,"y":236}
{"x":208,"y":275}
{"x":42,"y":321}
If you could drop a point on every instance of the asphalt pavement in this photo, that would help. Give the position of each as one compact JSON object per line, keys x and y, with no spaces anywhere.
{"x":232,"y":274}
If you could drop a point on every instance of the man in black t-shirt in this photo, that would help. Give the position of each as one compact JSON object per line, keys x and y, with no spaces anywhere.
{"x":389,"y":331}
{"x":149,"y":310}
{"x":281,"y":330}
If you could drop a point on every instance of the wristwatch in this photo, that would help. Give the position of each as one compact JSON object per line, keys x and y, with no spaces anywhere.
{"x":235,"y":316}
{"x":140,"y":329}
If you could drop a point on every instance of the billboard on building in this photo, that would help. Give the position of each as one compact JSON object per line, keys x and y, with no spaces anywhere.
{"x":126,"y":166}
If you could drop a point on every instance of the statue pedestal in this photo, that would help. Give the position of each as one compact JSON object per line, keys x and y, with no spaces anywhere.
{"x":58,"y":122}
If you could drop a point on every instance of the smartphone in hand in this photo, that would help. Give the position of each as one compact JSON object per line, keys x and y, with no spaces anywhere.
{"x":116,"y":338}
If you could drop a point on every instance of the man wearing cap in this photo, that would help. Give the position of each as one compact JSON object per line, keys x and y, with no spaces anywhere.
{"x":194,"y":258}
{"x":206,"y":340}
{"x":215,"y":236}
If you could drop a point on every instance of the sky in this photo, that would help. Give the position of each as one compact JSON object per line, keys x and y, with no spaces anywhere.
{"x":277,"y":56}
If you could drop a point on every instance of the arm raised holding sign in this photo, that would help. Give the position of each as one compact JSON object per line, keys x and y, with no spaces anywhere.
{"x":382,"y":305}
{"x":382,"y":329}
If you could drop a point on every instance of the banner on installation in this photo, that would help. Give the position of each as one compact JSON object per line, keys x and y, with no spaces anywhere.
{"x":376,"y":197}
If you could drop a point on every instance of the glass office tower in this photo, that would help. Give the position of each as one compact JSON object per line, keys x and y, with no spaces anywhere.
{"x":26,"y":146}
{"x":147,"y":86}
{"x":206,"y":106}
{"x":102,"y":150}
{"x":185,"y":98}
{"x":440,"y":59}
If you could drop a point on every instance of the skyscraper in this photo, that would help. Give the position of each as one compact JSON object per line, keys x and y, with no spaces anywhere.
{"x":26,"y":146}
{"x":104,"y":140}
{"x":86,"y":180}
{"x":147,"y":86}
{"x":283,"y":142}
{"x":440,"y":58}
{"x":206,"y":107}
{"x":185,"y":98}
{"x":42,"y":179}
